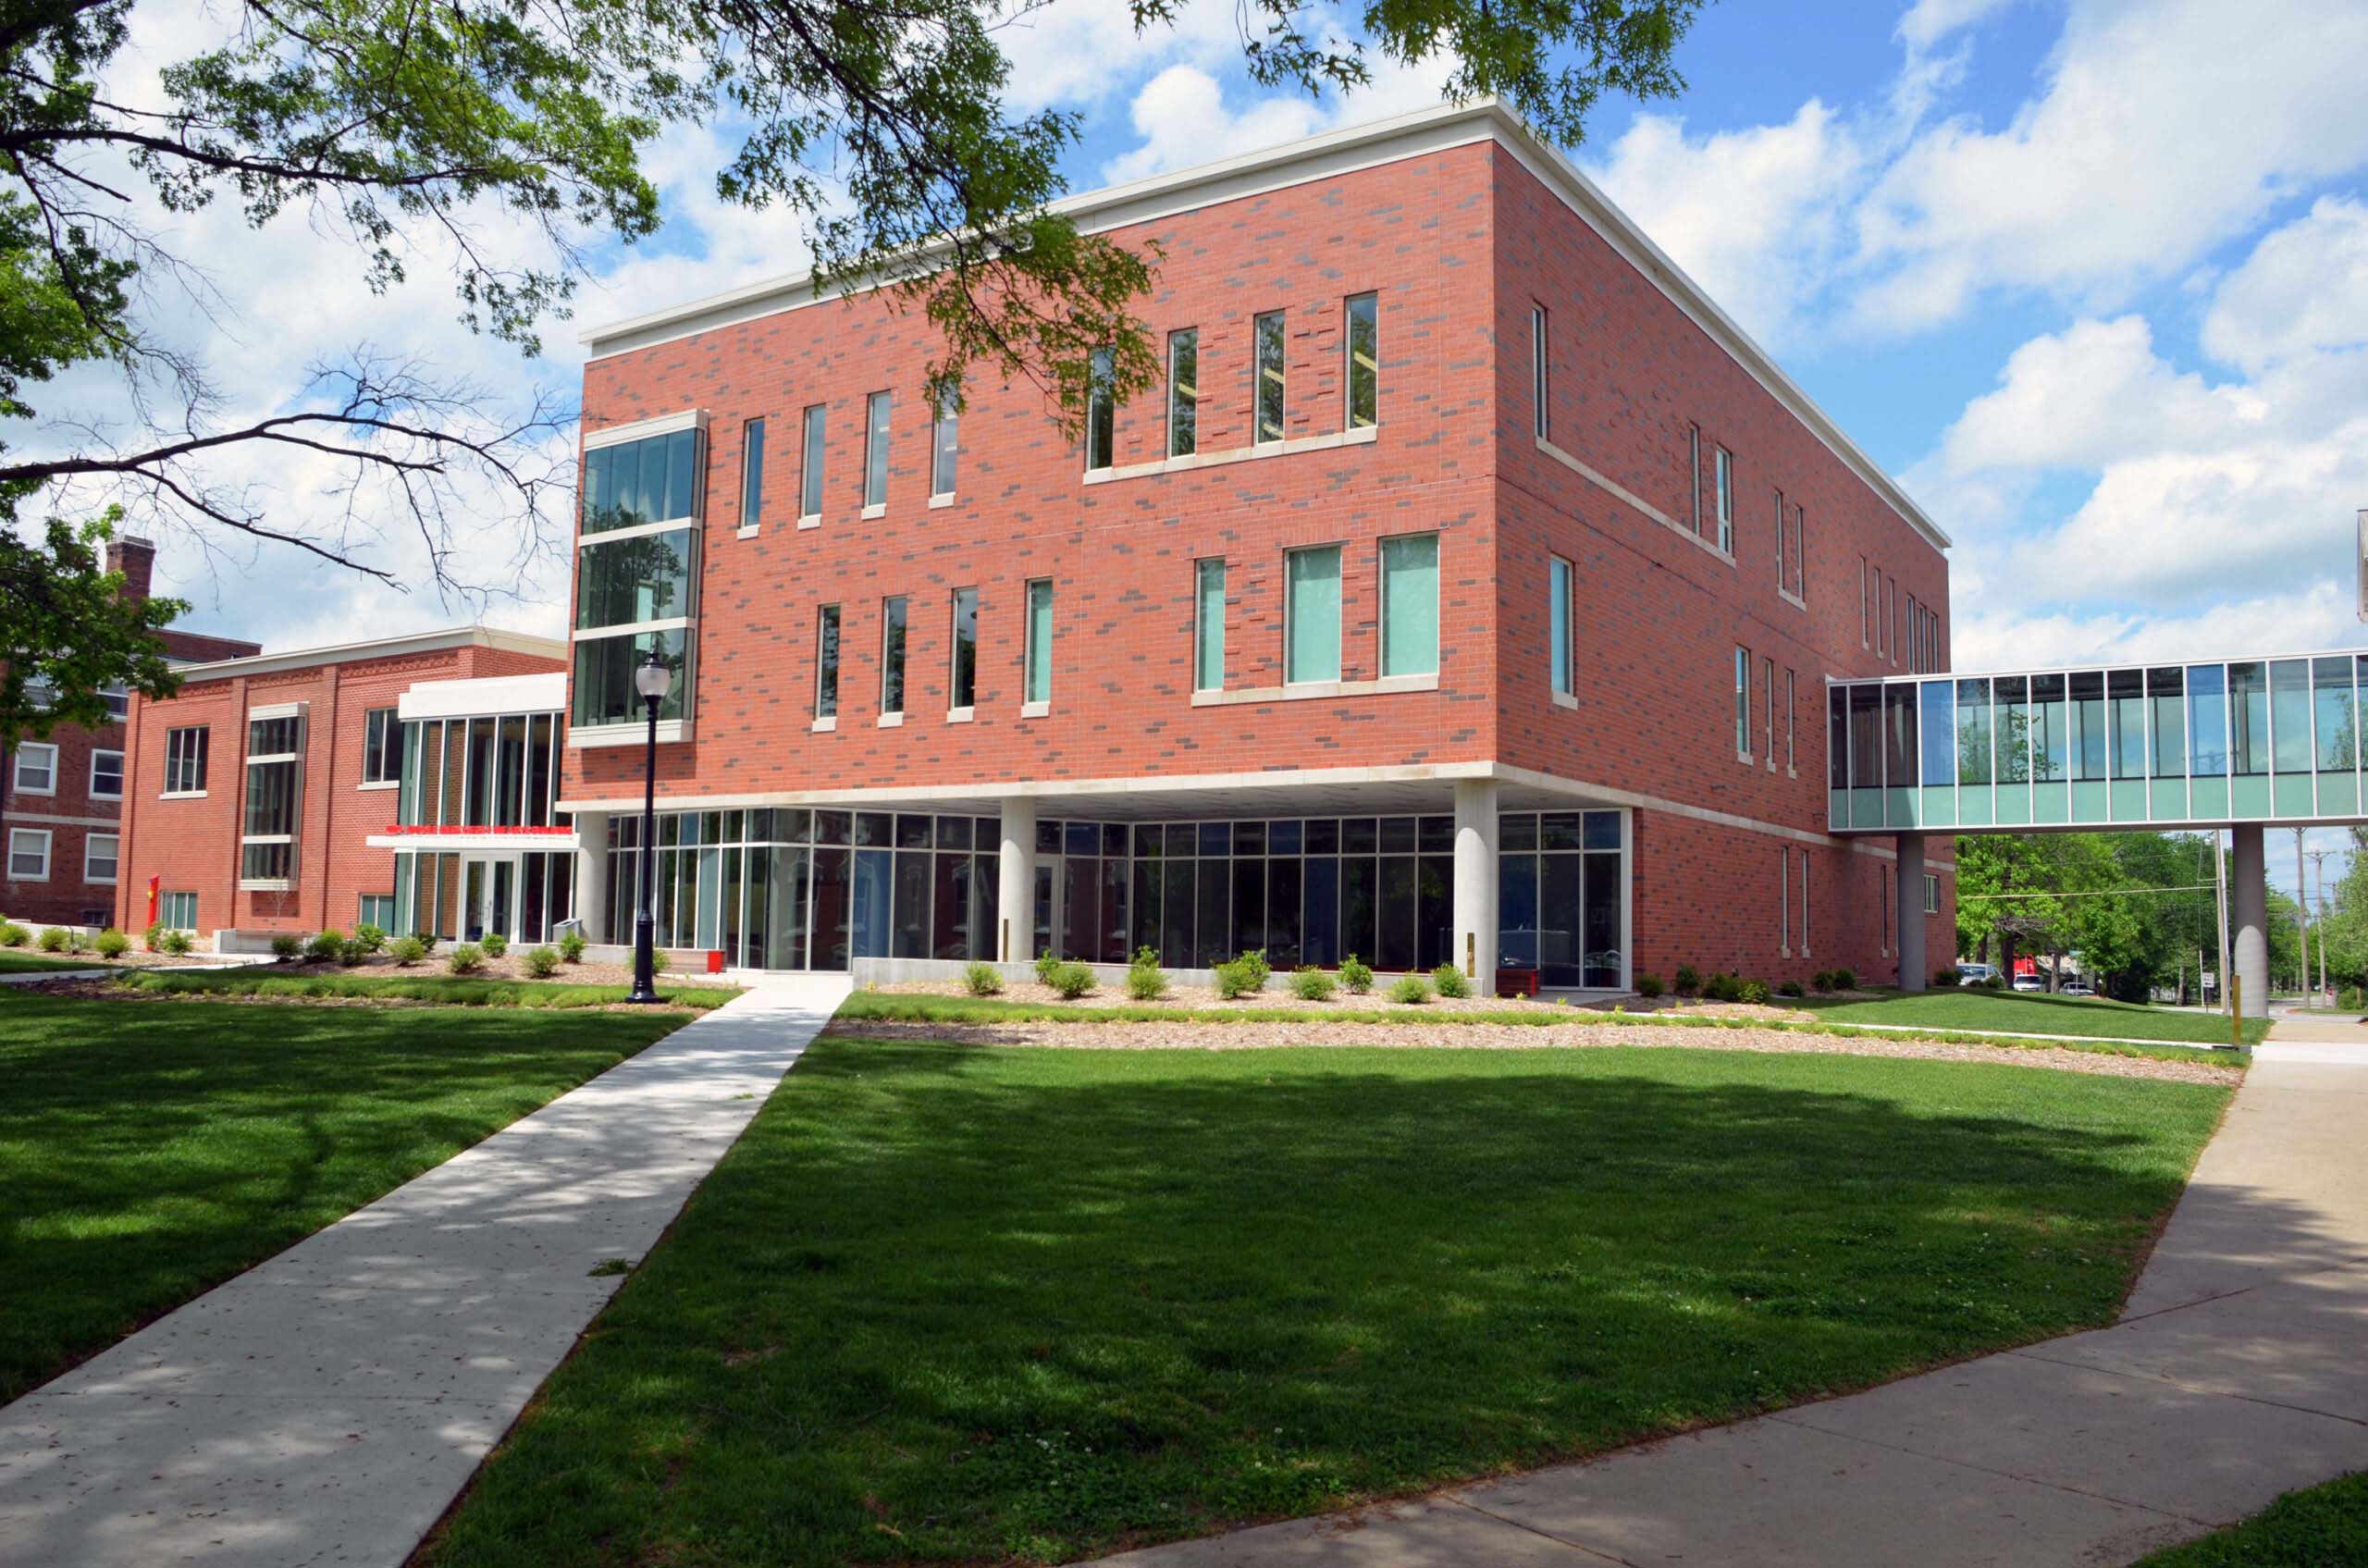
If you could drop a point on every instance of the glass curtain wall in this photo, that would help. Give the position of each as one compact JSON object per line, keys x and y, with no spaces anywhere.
{"x":488,"y":770}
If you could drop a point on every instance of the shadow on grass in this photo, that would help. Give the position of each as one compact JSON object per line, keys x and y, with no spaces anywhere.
{"x":946,"y":1305}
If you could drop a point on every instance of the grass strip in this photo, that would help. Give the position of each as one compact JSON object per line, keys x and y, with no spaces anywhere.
{"x":449,"y":991}
{"x":2315,"y":1527}
{"x":2016,"y":1012}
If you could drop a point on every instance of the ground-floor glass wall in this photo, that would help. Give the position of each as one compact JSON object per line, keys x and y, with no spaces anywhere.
{"x":460,"y":897}
{"x":1559,"y":879}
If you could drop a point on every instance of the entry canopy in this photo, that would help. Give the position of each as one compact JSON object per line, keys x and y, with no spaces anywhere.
{"x":2133,"y":746}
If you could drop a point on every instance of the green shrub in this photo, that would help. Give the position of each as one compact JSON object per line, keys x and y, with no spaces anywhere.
{"x":1754,"y":991}
{"x":1255,"y":962}
{"x":982,"y":979}
{"x":286,"y":945}
{"x":1450,"y":981}
{"x":1356,"y":974}
{"x":372,"y":938}
{"x":1722,"y":987}
{"x":658,"y":960}
{"x":1689,"y":980}
{"x":52,"y":939}
{"x":1649,"y":985}
{"x":153,"y":935}
{"x":1145,"y":982}
{"x":1047,"y":965}
{"x":572,"y":945}
{"x":1822,"y":982}
{"x":465,"y":958}
{"x":1410,"y":988}
{"x":1234,"y":978}
{"x":1789,"y":988}
{"x":541,"y":962}
{"x":352,"y":952}
{"x":494,"y":943}
{"x":324,"y":946}
{"x":177,"y":942}
{"x":1945,"y":977}
{"x":407,"y":950}
{"x":1846,"y":979}
{"x":14,"y":935}
{"x":1071,"y":981}
{"x":1311,"y":985}
{"x":112,"y":944}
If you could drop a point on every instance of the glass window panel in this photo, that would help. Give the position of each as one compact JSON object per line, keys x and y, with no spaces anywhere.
{"x":1562,"y":916}
{"x":1250,"y":907}
{"x":1039,"y":672}
{"x":1939,"y":724}
{"x":954,"y":832}
{"x":1283,"y":837}
{"x":1394,"y":941}
{"x":2010,"y":712}
{"x":1866,"y":735}
{"x":2167,"y":700}
{"x":596,"y":497}
{"x":826,"y":664}
{"x":1181,"y":839}
{"x":1899,"y":733}
{"x":2249,"y":712}
{"x":871,"y":917}
{"x":1359,"y":907}
{"x":1080,"y":838}
{"x":1365,"y":362}
{"x":877,"y":426}
{"x":891,"y":655}
{"x":1561,"y":830}
{"x":1183,"y":392}
{"x":1398,"y":835}
{"x":1268,"y":331}
{"x":1177,"y":937}
{"x":913,"y":830}
{"x":1601,"y":954}
{"x":682,"y":476}
{"x":809,"y":479}
{"x":2337,"y":740}
{"x":945,"y":442}
{"x":1213,"y":912}
{"x":2050,"y":735}
{"x":1559,"y":635}
{"x":2091,"y":748}
{"x":966,"y":647}
{"x":1216,"y":838}
{"x":752,"y":472}
{"x":950,"y":930}
{"x":1208,"y":625}
{"x":1517,"y":909}
{"x":2207,"y":719}
{"x":1409,"y":605}
{"x":1311,"y":615}
{"x":1250,"y":838}
{"x":833,"y":899}
{"x":1320,"y":930}
{"x":1324,"y":836}
{"x":1837,"y":738}
{"x":623,"y":582}
{"x":1603,"y":830}
{"x":604,"y":676}
{"x":1518,"y":831}
{"x":2125,"y":702}
{"x":874,"y":828}
{"x":2289,"y":718}
{"x":1100,"y":409}
{"x":1358,"y":835}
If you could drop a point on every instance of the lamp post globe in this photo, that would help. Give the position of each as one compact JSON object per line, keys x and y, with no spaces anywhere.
{"x":653,"y":680}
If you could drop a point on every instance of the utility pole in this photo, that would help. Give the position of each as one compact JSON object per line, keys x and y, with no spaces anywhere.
{"x":2319,"y":897}
{"x":2301,"y":915}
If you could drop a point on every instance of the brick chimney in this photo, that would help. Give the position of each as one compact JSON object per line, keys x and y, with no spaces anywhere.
{"x":136,"y":559}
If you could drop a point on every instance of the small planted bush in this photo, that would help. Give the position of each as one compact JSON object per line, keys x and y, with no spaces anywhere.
{"x":465,"y":958}
{"x":52,"y":939}
{"x":112,"y":944}
{"x":352,"y":952}
{"x":177,"y":942}
{"x":1356,"y":974}
{"x":1412,"y":990}
{"x":14,"y":935}
{"x":1649,"y":986}
{"x":1822,"y":982}
{"x":658,"y":960}
{"x":1233,"y":978}
{"x":570,"y":947}
{"x":541,"y":962}
{"x":1846,"y":979}
{"x":1046,"y":965}
{"x":1146,"y":983}
{"x":1071,"y":981}
{"x":1311,"y":985}
{"x":427,"y":940}
{"x":1688,"y":981}
{"x":1789,"y":988}
{"x":1946,"y":976}
{"x":494,"y":943}
{"x":983,"y":979}
{"x":323,"y":947}
{"x":1754,"y":991}
{"x":1722,"y":987}
{"x":286,"y":946}
{"x":407,"y":950}
{"x":373,"y":939}
{"x":1450,"y":981}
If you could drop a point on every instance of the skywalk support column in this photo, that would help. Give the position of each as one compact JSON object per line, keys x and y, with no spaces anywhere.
{"x":1475,"y":911}
{"x":1907,"y":907}
{"x":591,"y":883}
{"x":1016,"y":882}
{"x":2249,"y":912}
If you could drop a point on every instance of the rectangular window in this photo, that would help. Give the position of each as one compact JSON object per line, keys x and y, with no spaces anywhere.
{"x":1559,"y":575}
{"x":809,"y":478}
{"x":1542,"y":408}
{"x":1742,"y":703}
{"x":1784,"y":901}
{"x":178,"y":911}
{"x":377,"y":910}
{"x":1915,"y":635}
{"x":944,"y":441}
{"x":106,"y":771}
{"x":1931,"y":893}
{"x":99,"y":853}
{"x":966,"y":648}
{"x":891,"y":654}
{"x":1865,"y":607}
{"x":1363,"y":351}
{"x":275,"y":794}
{"x":1800,"y":553}
{"x":634,"y":582}
{"x":2248,"y":714}
{"x":1694,"y":473}
{"x":2289,"y":715}
{"x":1409,"y":605}
{"x":1100,"y":409}
{"x":1037,"y":670}
{"x":1208,"y":625}
{"x":29,"y":854}
{"x":826,"y":664}
{"x":1311,"y":614}
{"x":1726,"y":465}
{"x":382,"y":747}
{"x":36,"y":768}
{"x":630,"y":483}
{"x":1790,"y":696}
{"x":752,"y":471}
{"x":1783,"y":552}
{"x":1768,"y":707}
{"x":1268,"y":331}
{"x":185,"y":760}
{"x":1890,"y":624}
{"x":878,"y":412}
{"x":1184,"y":393}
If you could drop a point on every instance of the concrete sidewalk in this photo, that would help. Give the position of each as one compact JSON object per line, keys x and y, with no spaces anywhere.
{"x":329,"y":1404}
{"x":2236,"y":1374}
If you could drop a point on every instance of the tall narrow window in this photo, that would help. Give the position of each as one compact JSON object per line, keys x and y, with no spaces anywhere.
{"x":752,"y":472}
{"x":891,"y":655}
{"x":1037,"y":673}
{"x":1409,"y":605}
{"x":1184,"y":393}
{"x":1768,"y":706}
{"x":1784,"y":900}
{"x":1791,"y":697}
{"x":1726,"y":465}
{"x":275,"y":791}
{"x":1540,"y":385}
{"x":1783,"y":554}
{"x":1311,"y":614}
{"x":1890,"y":629}
{"x":809,"y":497}
{"x":185,"y":760}
{"x":826,"y":664}
{"x":1268,"y":331}
{"x":1363,"y":351}
{"x":1742,"y":703}
{"x":1100,"y":409}
{"x":1558,"y":574}
{"x":1208,"y":625}
{"x":1915,"y":635}
{"x":382,"y":747}
{"x":1694,"y":473}
{"x":1931,"y":893}
{"x":1866,"y":634}
{"x":878,"y":412}
{"x":966,"y":648}
{"x":1800,"y":553}
{"x":944,"y":441}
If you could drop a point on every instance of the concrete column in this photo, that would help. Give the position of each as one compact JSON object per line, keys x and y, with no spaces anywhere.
{"x":591,"y":886}
{"x":1016,"y":882}
{"x":1907,"y":907}
{"x":2249,"y":912}
{"x":1475,"y":911}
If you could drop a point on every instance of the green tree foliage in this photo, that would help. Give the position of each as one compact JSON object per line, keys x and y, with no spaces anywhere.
{"x":68,"y":633}
{"x":419,"y":132}
{"x":2135,"y":906}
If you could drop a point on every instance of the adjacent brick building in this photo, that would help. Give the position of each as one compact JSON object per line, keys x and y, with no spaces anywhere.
{"x":1467,"y":592}
{"x":61,"y":794}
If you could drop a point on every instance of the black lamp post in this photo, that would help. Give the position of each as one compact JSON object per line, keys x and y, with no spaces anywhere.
{"x":652,"y":680}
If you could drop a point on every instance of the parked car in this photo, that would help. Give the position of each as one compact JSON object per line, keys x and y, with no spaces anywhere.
{"x":1974,"y":975}
{"x":2029,"y":982}
{"x":2077,"y":988}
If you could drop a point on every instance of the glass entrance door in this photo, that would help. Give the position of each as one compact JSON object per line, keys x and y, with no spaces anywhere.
{"x":489,"y":884}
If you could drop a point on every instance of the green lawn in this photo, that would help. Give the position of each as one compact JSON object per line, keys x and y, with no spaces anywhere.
{"x":16,"y":961}
{"x":2318,"y":1527}
{"x":947,"y":1305}
{"x":451,"y":991}
{"x":2034,"y":1013}
{"x":147,"y":1152}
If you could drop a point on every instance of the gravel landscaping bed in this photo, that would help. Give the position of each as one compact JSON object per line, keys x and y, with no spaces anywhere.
{"x":1190,"y":1036}
{"x":510,"y":966}
{"x":1279,"y":995}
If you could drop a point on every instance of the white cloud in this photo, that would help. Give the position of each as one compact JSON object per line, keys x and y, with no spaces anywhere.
{"x":1181,"y":117}
{"x":1928,"y":21}
{"x":2305,"y":287}
{"x":2004,"y":638}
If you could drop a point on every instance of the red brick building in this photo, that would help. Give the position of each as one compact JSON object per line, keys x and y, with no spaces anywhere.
{"x":61,"y":794}
{"x":270,"y":793}
{"x":1466,"y":592}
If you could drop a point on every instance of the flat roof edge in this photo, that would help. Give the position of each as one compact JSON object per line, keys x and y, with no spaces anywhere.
{"x":381,"y":647}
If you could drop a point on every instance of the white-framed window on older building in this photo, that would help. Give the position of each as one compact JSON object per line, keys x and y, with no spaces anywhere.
{"x":185,"y":759}
{"x":178,"y":911}
{"x":99,"y":856}
{"x":1742,"y":703}
{"x":106,"y":775}
{"x":382,"y":747}
{"x":28,"y":854}
{"x":1768,"y":709}
{"x":1931,"y":893}
{"x":1792,"y":698}
{"x":1784,"y":900}
{"x":275,"y":797}
{"x":1725,"y":463}
{"x":36,"y":768}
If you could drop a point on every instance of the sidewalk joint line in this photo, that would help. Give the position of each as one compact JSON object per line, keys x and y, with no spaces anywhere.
{"x":1991,"y":1470}
{"x":1462,"y":1501}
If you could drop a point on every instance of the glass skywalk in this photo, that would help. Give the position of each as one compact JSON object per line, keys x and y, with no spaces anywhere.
{"x":2151,"y":746}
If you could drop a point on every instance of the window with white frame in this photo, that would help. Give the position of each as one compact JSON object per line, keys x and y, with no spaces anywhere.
{"x":99,"y":853}
{"x":1542,"y":409}
{"x":1768,"y":707}
{"x":1267,"y":333}
{"x":28,"y":854}
{"x":826,"y":664}
{"x":1931,"y":893}
{"x":1184,"y":392}
{"x":1882,"y":904}
{"x":382,"y":747}
{"x":637,"y":588}
{"x":1783,"y":554}
{"x":1784,"y":900}
{"x":815,"y":435}
{"x":752,"y":476}
{"x":1742,"y":703}
{"x":1693,"y":473}
{"x":41,"y":695}
{"x":178,"y":911}
{"x":878,"y":425}
{"x":1560,"y":641}
{"x":118,"y":700}
{"x":1311,"y":614}
{"x":37,"y":768}
{"x":1208,"y":623}
{"x":1100,"y":409}
{"x":106,"y":775}
{"x":1804,"y":903}
{"x":1791,"y":700}
{"x":1726,"y":469}
{"x":1866,"y":633}
{"x":275,"y":797}
{"x":891,"y":655}
{"x":1409,"y":605}
{"x":965,"y":672}
{"x":185,"y":759}
{"x":1800,"y":553}
{"x":377,"y":910}
{"x":1036,"y":668}
{"x":944,"y":441}
{"x":1362,"y":348}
